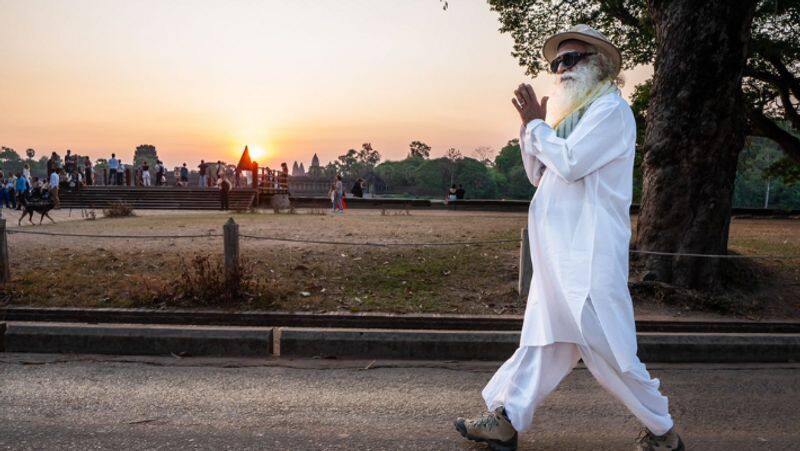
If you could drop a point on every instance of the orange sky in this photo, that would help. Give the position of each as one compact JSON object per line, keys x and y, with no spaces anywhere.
{"x":200,"y":79}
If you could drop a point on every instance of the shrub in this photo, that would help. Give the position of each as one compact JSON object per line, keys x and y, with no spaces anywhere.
{"x":118,"y":209}
{"x":203,"y":281}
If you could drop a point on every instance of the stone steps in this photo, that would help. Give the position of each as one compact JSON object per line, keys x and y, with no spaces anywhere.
{"x":155,"y":198}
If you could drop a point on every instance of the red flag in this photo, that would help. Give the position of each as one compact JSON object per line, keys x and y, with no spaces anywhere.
{"x":245,"y":164}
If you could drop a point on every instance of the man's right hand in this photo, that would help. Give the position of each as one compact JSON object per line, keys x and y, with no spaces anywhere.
{"x":527,"y":105}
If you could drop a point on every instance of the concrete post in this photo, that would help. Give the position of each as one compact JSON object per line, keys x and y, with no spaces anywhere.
{"x":525,"y":265}
{"x":230,"y":236}
{"x":4,"y":266}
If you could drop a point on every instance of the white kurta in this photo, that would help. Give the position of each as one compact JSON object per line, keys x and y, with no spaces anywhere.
{"x":579,"y":227}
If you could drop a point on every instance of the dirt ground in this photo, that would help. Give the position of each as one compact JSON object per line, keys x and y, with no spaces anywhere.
{"x":480,"y":279}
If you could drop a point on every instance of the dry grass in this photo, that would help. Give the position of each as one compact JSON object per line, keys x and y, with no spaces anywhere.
{"x":301,"y":277}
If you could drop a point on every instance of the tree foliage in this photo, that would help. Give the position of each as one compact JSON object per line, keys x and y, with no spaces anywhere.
{"x":772,"y":76}
{"x":418,"y":149}
{"x":355,"y":163}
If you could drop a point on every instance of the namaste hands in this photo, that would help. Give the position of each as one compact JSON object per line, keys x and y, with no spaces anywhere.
{"x":528,"y":107}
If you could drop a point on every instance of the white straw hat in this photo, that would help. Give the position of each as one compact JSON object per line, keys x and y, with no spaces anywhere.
{"x":589,"y":35}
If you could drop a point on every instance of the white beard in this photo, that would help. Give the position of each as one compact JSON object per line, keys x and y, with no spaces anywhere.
{"x":571,"y":90}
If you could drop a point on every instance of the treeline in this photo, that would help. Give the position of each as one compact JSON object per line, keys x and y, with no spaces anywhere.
{"x":484,"y":176}
{"x":502,"y":176}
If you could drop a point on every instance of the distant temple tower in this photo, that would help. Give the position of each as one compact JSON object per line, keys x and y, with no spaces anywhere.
{"x":315,"y":170}
{"x":145,"y":152}
{"x":302,"y":169}
{"x":295,"y":169}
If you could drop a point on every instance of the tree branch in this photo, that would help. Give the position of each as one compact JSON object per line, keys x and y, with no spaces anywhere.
{"x":783,"y":87}
{"x":617,"y":10}
{"x":761,"y":125}
{"x":786,"y":76}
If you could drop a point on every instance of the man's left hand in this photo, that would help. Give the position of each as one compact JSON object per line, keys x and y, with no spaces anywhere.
{"x":527,"y":105}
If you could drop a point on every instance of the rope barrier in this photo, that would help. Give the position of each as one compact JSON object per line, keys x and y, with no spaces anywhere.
{"x":375,"y":244}
{"x":350,"y":243}
{"x":87,"y":235}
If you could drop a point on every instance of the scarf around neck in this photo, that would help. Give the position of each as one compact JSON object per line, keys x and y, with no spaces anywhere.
{"x":567,"y":123}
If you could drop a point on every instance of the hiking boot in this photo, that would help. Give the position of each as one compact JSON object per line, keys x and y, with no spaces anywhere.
{"x":671,"y":441}
{"x":492,"y":428}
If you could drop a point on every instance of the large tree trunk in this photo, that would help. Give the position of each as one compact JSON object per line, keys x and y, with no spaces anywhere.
{"x":694,"y":134}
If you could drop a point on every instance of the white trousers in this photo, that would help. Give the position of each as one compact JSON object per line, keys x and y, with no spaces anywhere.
{"x":146,"y":178}
{"x":533,"y":372}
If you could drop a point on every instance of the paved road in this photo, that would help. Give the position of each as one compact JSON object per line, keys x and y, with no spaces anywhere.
{"x":89,"y":402}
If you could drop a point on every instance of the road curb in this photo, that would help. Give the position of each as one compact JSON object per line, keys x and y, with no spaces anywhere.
{"x":397,"y":344}
{"x":122,"y":339}
{"x":719,"y":348}
{"x":362,"y":320}
{"x":217,"y":341}
{"x":483,"y":345}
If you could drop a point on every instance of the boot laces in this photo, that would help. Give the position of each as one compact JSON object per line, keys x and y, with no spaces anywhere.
{"x":487,"y":421}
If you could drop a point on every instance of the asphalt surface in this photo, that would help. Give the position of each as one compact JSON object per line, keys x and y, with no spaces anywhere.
{"x":101,"y":402}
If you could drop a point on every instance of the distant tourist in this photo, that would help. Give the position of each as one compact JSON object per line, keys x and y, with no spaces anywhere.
{"x":137,"y":176}
{"x":52,"y":164}
{"x":21,"y":188}
{"x":332,"y":196}
{"x":284,"y":177}
{"x":70,"y":162}
{"x":26,"y":171}
{"x":203,"y":174}
{"x":184,"y":180}
{"x":145,"y":173}
{"x":358,"y":188}
{"x":460,"y":192}
{"x":113,"y":167}
{"x":339,"y":196}
{"x":224,"y":188}
{"x":73,"y":181}
{"x":451,"y":193}
{"x":160,"y":175}
{"x":88,"y":171}
{"x":11,"y":192}
{"x":122,"y":176}
{"x":5,"y":200}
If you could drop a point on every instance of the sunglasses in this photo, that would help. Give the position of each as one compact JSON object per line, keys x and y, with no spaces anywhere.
{"x":568,"y":59}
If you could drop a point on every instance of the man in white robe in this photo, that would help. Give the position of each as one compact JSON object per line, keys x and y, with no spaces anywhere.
{"x":579,"y":307}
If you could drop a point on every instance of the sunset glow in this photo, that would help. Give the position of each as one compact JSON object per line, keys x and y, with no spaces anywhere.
{"x":290,"y":78}
{"x":258,"y":153}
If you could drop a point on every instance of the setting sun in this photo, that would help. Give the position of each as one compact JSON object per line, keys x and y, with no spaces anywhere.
{"x":258,"y":153}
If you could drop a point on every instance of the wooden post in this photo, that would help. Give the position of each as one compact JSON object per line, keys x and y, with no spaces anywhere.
{"x":230,"y":235}
{"x":4,"y":267}
{"x":525,"y":265}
